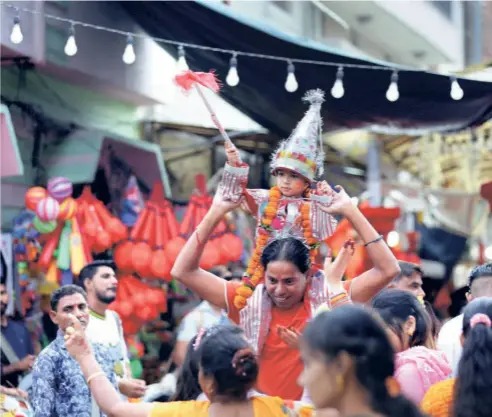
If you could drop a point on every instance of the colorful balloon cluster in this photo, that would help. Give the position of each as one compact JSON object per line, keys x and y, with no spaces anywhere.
{"x":52,"y":204}
{"x":71,"y":230}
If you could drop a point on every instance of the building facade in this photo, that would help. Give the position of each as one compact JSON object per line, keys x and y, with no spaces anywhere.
{"x":425,"y":34}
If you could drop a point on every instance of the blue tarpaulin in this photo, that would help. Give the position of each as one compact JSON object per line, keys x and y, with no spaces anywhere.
{"x":424,"y":104}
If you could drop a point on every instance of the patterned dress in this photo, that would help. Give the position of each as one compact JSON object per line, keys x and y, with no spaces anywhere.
{"x":59,"y":386}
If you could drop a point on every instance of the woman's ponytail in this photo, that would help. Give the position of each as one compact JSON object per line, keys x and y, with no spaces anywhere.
{"x":474,"y":381}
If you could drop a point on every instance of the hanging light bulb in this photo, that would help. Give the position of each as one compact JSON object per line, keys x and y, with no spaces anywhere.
{"x":291,"y":84}
{"x":232,"y":78}
{"x":393,"y":94}
{"x":337,"y":91}
{"x":456,"y":90}
{"x":71,"y":45}
{"x":129,"y":56}
{"x":182,"y":65}
{"x":16,"y":35}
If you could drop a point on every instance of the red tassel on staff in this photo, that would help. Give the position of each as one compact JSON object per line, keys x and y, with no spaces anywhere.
{"x":188,"y":79}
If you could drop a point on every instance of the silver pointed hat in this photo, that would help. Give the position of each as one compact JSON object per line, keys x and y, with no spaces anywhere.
{"x":303,"y":151}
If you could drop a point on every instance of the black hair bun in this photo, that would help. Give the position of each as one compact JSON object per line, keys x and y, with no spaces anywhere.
{"x":245,"y":364}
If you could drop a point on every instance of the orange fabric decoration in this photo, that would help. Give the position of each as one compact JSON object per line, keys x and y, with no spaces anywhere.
{"x":438,"y":400}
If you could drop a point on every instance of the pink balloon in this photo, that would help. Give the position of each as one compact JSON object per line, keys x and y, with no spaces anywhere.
{"x":48,"y":209}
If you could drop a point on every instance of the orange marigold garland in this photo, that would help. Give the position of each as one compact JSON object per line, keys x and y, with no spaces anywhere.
{"x":254,"y":272}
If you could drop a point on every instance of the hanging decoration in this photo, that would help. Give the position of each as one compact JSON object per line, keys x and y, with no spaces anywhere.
{"x":223,"y":247}
{"x":144,"y":253}
{"x":291,"y":83}
{"x":137,"y":303}
{"x":59,"y":234}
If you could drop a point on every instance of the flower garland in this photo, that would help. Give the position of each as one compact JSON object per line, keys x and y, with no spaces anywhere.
{"x":255,"y":271}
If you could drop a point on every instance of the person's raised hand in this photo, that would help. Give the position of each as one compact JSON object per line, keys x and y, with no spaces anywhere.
{"x":75,"y":340}
{"x":223,"y":206}
{"x":334,"y":271}
{"x":341,"y":202}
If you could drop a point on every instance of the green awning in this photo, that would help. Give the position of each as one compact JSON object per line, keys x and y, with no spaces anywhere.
{"x":80,"y":155}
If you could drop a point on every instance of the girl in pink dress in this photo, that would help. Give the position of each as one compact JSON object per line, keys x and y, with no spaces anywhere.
{"x":416,"y":366}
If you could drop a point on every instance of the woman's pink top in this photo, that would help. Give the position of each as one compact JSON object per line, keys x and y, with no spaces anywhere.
{"x":418,"y":368}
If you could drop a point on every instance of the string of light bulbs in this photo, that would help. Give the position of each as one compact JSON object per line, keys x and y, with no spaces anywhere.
{"x":232,"y":79}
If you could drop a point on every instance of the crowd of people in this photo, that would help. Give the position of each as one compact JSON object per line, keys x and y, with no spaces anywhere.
{"x":368,"y":348}
{"x":289,"y":337}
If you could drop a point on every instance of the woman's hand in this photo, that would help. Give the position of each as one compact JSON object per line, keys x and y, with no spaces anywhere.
{"x":341,"y":203}
{"x":75,"y":341}
{"x":221,"y":206}
{"x":334,"y":271}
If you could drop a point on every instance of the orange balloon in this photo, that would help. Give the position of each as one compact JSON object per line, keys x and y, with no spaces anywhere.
{"x":131,"y":326}
{"x":160,"y":266}
{"x":122,"y":256}
{"x":117,"y":230}
{"x":173,"y":248}
{"x":231,"y":247}
{"x":68,"y":209}
{"x":210,"y":256}
{"x":141,"y":258}
{"x":33,"y":196}
{"x":102,"y":242}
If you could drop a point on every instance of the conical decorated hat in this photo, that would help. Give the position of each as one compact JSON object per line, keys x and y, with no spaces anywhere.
{"x":303,"y":152}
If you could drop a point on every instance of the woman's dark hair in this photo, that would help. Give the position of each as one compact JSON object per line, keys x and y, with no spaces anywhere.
{"x":354,"y":330}
{"x":433,"y":323}
{"x":187,"y":386}
{"x":474,"y":381}
{"x":228,"y":358}
{"x":395,"y":307}
{"x":287,"y":249}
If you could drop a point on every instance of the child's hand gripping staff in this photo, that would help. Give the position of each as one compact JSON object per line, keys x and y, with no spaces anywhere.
{"x":189,"y":79}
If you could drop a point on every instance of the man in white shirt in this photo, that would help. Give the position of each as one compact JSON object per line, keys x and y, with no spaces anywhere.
{"x":100,"y":282}
{"x":479,"y":285}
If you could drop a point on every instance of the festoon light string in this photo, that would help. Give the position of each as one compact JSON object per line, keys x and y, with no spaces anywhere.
{"x":232,"y":79}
